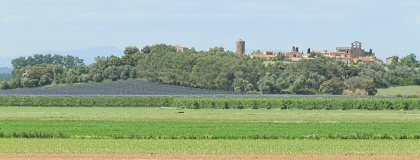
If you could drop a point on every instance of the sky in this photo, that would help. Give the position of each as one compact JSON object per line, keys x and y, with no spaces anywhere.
{"x":389,"y":27}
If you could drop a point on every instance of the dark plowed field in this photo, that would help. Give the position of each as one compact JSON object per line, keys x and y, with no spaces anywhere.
{"x":128,"y":87}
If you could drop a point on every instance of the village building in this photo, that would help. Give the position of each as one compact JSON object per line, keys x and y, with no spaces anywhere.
{"x":390,"y":60}
{"x":306,"y":56}
{"x":346,"y":50}
{"x":339,"y":55}
{"x":240,"y":47}
{"x":293,"y":55}
{"x":355,"y":50}
{"x":352,"y":54}
{"x":368,"y":59}
{"x":181,"y":49}
{"x":267,"y":55}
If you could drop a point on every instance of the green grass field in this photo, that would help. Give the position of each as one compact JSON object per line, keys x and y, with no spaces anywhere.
{"x":208,"y":130}
{"x":211,"y":147}
{"x":400,"y":91}
{"x":172,"y":131}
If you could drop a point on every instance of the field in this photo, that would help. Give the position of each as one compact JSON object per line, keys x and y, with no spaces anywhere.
{"x":212,"y":147}
{"x":400,"y":91}
{"x":215,"y":115}
{"x":143,"y":88}
{"x":208,"y":133}
{"x":219,"y":102}
{"x":127,"y":87}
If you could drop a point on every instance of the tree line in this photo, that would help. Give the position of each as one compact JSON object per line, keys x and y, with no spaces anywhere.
{"x":218,"y":69}
{"x":48,"y":59}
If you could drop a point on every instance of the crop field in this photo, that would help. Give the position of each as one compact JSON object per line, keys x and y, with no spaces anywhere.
{"x":211,"y":147}
{"x":214,"y":115}
{"x":284,"y":103}
{"x":143,"y":88}
{"x":206,"y":130}
{"x":213,"y":132}
{"x":127,"y":87}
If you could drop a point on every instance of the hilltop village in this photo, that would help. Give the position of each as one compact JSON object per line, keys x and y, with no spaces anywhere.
{"x":351,"y":54}
{"x":325,"y":72}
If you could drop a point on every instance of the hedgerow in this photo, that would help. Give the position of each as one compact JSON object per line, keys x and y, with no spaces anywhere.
{"x":305,"y":103}
{"x":359,"y":136}
{"x":301,"y":103}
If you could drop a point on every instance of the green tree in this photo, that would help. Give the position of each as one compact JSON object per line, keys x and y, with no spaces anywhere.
{"x":369,"y":53}
{"x":362,"y":84}
{"x":395,"y":60}
{"x":19,"y":63}
{"x":217,"y":50}
{"x":333,"y":86}
{"x":410,"y":61}
{"x":266,"y":85}
{"x":280,"y":57}
{"x":4,"y":85}
{"x":146,"y":49}
{"x":112,"y":72}
{"x":377,"y":72}
{"x":315,"y":55}
{"x":131,"y":50}
{"x":44,"y":80}
{"x":162,"y":48}
{"x":256,"y":52}
{"x":241,"y":85}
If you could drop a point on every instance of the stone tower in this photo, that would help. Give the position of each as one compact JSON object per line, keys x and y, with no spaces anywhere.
{"x":240,"y":47}
{"x":356,"y":49}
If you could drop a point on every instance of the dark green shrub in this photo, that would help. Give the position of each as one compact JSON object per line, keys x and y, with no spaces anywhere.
{"x":196,"y":105}
{"x":226,"y":105}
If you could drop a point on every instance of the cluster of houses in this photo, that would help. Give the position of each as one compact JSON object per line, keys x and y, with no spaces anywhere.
{"x":352,"y":54}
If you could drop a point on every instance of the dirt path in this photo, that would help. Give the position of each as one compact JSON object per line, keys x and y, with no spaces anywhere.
{"x":187,"y":157}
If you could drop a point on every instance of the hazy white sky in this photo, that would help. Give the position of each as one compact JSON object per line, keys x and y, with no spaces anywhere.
{"x":389,"y":27}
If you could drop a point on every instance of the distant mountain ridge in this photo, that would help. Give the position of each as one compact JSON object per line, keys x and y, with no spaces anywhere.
{"x":5,"y":70}
{"x":5,"y":62}
{"x":89,"y":54}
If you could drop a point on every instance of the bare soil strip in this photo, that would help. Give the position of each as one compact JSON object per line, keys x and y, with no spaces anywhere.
{"x":194,"y":157}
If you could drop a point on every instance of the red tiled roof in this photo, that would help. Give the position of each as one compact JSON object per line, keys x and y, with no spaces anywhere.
{"x":263,"y":56}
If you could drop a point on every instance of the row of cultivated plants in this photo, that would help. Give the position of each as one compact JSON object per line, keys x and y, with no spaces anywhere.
{"x":133,"y":136}
{"x":301,"y":103}
{"x":64,"y":101}
{"x":307,"y":103}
